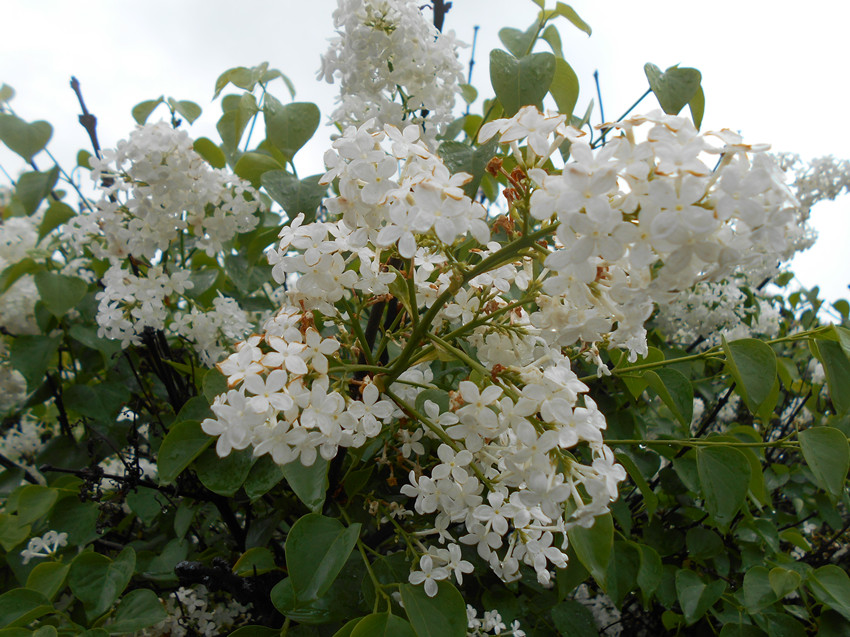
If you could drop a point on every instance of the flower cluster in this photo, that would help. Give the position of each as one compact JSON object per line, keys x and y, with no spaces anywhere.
{"x":391,"y":63}
{"x":160,"y":197}
{"x":710,"y":311}
{"x":281,"y":401}
{"x":18,"y":235}
{"x":643,"y":217}
{"x":194,"y":611}
{"x":519,"y":454}
{"x":490,"y":623}
{"x":44,"y":546}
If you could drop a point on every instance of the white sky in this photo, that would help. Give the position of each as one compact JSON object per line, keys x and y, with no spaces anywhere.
{"x":774,"y":70}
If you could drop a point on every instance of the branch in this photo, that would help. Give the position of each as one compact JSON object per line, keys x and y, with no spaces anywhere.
{"x":88,"y":121}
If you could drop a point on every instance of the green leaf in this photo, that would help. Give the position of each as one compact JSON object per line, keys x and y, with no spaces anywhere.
{"x":569,"y":13}
{"x":211,"y":153}
{"x":783,"y":581}
{"x":83,"y":159}
{"x":784,"y":625}
{"x":56,"y":214}
{"x":225,"y":475}
{"x":251,"y":167}
{"x":6,"y":93}
{"x":724,"y":474}
{"x":703,"y":544}
{"x":214,"y":384}
{"x":33,"y":187}
{"x":553,"y":37}
{"x":468,"y":92}
{"x":316,"y":550}
{"x":59,"y":292}
{"x":100,"y":402}
{"x":20,"y":606}
{"x":831,"y":586}
{"x":695,"y":596}
{"x":12,"y":531}
{"x":31,"y":355}
{"x":593,"y":546}
{"x":460,"y":157}
{"x":35,"y":501}
{"x":675,"y":390}
{"x":24,"y":139}
{"x":143,"y":110}
{"x":48,"y":578}
{"x":264,"y":475}
{"x":189,"y":110}
{"x":255,"y":631}
{"x":184,"y":442}
{"x":650,"y":573}
{"x":291,"y":126}
{"x":623,"y":567}
{"x":15,"y":271}
{"x":308,"y":483}
{"x":752,"y":364}
{"x":697,"y":107}
{"x":98,"y":581}
{"x":255,"y":561}
{"x":382,"y":625}
{"x":674,"y":88}
{"x":519,"y":43}
{"x":564,"y":87}
{"x":758,"y":593}
{"x":443,"y":615}
{"x":231,"y":125}
{"x":574,"y":619}
{"x":137,"y":610}
{"x":637,"y":383}
{"x":836,"y":365}
{"x":828,"y":455}
{"x":741,"y":630}
{"x":295,"y":195}
{"x":518,"y":82}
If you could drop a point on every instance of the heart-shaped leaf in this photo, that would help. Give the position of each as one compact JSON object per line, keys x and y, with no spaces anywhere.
{"x":518,"y":82}
{"x":22,"y":138}
{"x":143,"y":110}
{"x":564,"y":87}
{"x":695,"y":596}
{"x":97,"y":581}
{"x":674,"y":87}
{"x":289,"y":127}
{"x":295,"y":195}
{"x":316,"y":550}
{"x":518,"y":42}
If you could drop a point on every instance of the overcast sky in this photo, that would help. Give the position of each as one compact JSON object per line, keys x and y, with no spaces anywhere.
{"x":774,"y":70}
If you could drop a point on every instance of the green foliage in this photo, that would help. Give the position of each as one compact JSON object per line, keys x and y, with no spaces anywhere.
{"x":675,"y":88}
{"x":518,"y":82}
{"x":22,"y":138}
{"x":316,"y":550}
{"x":730,"y":520}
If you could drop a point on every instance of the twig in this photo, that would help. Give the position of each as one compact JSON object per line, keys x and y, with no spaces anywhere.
{"x":87,"y":120}
{"x":441,"y":8}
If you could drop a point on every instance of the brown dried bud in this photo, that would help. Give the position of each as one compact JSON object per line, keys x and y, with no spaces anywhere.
{"x":494,"y":166}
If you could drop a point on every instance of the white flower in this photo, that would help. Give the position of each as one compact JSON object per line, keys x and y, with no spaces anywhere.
{"x":428,"y":574}
{"x":44,"y":546}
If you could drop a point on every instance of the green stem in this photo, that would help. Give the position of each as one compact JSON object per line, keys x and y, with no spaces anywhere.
{"x":438,"y":431}
{"x":670,"y":361}
{"x":499,"y":258}
{"x":358,"y":332}
{"x":459,"y":354}
{"x":378,"y":586}
{"x":692,"y":442}
{"x":709,"y":353}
